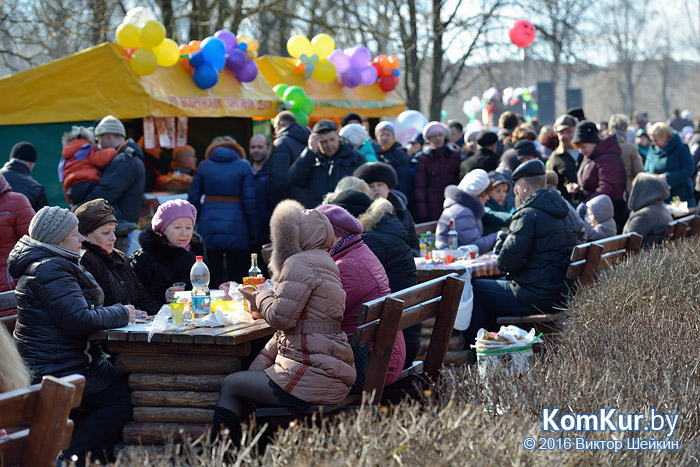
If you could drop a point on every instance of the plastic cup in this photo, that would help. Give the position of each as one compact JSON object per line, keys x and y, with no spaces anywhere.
{"x":472,"y":254}
{"x":448,"y":258}
{"x":178,"y":310}
{"x":179,"y":285}
{"x":427,"y":256}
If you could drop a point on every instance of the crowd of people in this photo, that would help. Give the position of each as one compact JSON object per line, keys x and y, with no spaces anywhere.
{"x":340,"y":209}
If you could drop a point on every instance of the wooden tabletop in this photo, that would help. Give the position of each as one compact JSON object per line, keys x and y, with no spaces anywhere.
{"x":224,"y":335}
{"x":482,"y":266}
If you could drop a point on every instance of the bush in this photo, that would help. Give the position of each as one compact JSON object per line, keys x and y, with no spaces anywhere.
{"x":631,"y":342}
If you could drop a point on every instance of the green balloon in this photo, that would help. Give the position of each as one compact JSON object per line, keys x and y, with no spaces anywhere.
{"x":307,"y":106}
{"x":294,"y":93}
{"x":279,"y":89}
{"x":302,"y":118}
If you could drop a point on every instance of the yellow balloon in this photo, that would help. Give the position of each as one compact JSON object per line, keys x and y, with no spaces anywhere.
{"x":167,"y":52}
{"x":298,"y":45}
{"x":251,"y":54}
{"x":144,"y":62}
{"x":128,"y":36}
{"x":322,"y":45}
{"x":252,"y":44}
{"x":325,"y":71}
{"x":152,"y":33}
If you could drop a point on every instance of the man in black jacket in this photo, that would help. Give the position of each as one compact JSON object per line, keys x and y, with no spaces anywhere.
{"x":17,"y":173}
{"x":484,"y":157}
{"x":564,"y":159}
{"x":291,"y":139}
{"x":534,"y":255}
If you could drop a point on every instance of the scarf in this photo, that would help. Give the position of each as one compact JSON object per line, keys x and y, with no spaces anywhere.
{"x":337,"y":246}
{"x":386,"y":148}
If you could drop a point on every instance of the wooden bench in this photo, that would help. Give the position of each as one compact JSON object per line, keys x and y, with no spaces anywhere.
{"x":45,"y":407}
{"x":424,"y":227}
{"x":684,"y":227}
{"x":8,"y":309}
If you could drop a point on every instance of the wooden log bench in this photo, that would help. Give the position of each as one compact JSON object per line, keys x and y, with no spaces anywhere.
{"x":8,"y":310}
{"x":45,"y":408}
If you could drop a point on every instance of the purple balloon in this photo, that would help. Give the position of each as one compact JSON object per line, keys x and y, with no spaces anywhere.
{"x":235,"y":60}
{"x":227,"y":37}
{"x":340,"y":60}
{"x":360,"y":57}
{"x":369,"y":75}
{"x":248,"y":72}
{"x":351,"y":78}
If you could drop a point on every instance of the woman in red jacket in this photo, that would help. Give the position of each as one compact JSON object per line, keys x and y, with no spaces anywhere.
{"x":15,"y":215}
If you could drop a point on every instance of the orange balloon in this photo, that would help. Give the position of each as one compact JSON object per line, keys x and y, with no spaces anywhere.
{"x":393,"y":62}
{"x":300,"y":66}
{"x":185,"y":49}
{"x":195,"y":46}
{"x":384,"y":62}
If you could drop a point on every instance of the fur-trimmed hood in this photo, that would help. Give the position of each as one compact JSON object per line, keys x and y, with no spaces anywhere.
{"x":79,"y":132}
{"x":227,"y":144}
{"x":294,"y":229}
{"x":454,"y":195}
{"x":374,"y":213}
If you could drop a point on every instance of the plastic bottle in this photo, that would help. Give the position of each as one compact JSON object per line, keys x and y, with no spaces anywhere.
{"x":429,"y":242}
{"x":452,"y":236}
{"x":201,"y":297}
{"x":423,"y":248}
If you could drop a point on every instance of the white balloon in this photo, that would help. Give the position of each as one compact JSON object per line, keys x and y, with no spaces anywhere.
{"x":138,"y":16}
{"x":408,"y":124}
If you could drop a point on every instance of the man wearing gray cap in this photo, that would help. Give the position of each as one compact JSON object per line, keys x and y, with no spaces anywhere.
{"x":565,"y":158}
{"x":323,"y":163}
{"x":534,"y":255}
{"x":123,"y":180}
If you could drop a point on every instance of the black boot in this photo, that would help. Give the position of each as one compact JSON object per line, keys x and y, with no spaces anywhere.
{"x":224,"y":418}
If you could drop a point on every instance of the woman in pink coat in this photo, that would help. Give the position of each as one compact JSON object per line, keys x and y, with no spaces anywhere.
{"x":364,"y":279}
{"x":15,"y":215}
{"x":308,"y":360}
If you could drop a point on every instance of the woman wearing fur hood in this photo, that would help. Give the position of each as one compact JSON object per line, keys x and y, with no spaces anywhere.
{"x":308,"y":360}
{"x":465,"y":204}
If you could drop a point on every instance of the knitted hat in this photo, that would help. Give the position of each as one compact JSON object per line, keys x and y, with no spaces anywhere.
{"x":52,"y":224}
{"x":354,"y":133}
{"x":171,"y":210}
{"x":23,"y":151}
{"x":377,"y":172}
{"x":486,"y":138}
{"x":525,"y":148}
{"x":110,"y":125}
{"x":433,"y":128}
{"x":343,"y":222}
{"x":475,"y":182}
{"x":384,"y":126}
{"x":94,"y":214}
{"x":355,"y":202}
{"x":586,"y":132}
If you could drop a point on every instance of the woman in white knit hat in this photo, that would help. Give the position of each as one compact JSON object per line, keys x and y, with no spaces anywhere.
{"x":59,"y":305}
{"x":465,"y":204}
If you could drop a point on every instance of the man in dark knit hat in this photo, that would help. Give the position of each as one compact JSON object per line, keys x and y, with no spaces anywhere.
{"x":484,"y":157}
{"x":17,"y":173}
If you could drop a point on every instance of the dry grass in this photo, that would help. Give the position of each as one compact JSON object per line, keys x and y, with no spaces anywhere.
{"x":632,"y":342}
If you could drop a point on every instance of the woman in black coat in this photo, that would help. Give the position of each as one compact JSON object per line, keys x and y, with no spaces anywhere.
{"x":109,"y":266}
{"x":59,"y":305}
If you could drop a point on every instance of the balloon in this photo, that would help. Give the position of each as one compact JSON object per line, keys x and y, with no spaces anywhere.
{"x":522,"y":33}
{"x":152,"y":33}
{"x":307,"y":106}
{"x":396,"y":72}
{"x":351,"y":78}
{"x":196,"y":45}
{"x":340,"y":60}
{"x":293,"y":93}
{"x":227,"y":37}
{"x":128,"y":36}
{"x":476,"y":104}
{"x":310,"y":67}
{"x":138,"y":16}
{"x":393,"y":62}
{"x":242,"y":46}
{"x":185,"y":49}
{"x":297,"y":45}
{"x":235,"y":60}
{"x":279,"y":89}
{"x":300,"y":66}
{"x":205,"y":76}
{"x":408,"y":124}
{"x":167,"y":52}
{"x":302,"y":118}
{"x":214,"y":51}
{"x":251,"y":54}
{"x":197,"y":59}
{"x":359,"y":57}
{"x":252,"y":45}
{"x":143,"y":62}
{"x":322,"y":45}
{"x":369,"y":75}
{"x":247,"y":73}
{"x":313,"y":58}
{"x":307,"y":73}
{"x":387,"y":83}
{"x":325,"y":71}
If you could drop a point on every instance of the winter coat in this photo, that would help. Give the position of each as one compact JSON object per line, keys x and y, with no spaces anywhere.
{"x":676,"y":163}
{"x":116,"y":278}
{"x":364,"y":279}
{"x":603,"y":172}
{"x":631,"y":159}
{"x":16,"y":173}
{"x":317,"y":174}
{"x":59,"y":305}
{"x":496,"y":215}
{"x":603,"y":211}
{"x":262,"y":192}
{"x":535,"y":254}
{"x":467,"y":212}
{"x":398,"y":201}
{"x":563,"y":163}
{"x":649,"y":216}
{"x":158,"y":265}
{"x":367,"y":150}
{"x":436,"y":169}
{"x":397,"y":157}
{"x":309,"y":356}
{"x":123,"y":182}
{"x":225,"y":225}
{"x":82,"y":162}
{"x":483,"y":158}
{"x":286,"y":148}
{"x":15,"y":215}
{"x":388,"y":240}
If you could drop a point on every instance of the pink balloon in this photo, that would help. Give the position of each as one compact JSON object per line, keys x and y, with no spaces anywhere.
{"x":359,"y":57}
{"x":340,"y":60}
{"x":369,"y":75}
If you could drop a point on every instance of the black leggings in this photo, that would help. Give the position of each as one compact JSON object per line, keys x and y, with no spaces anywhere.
{"x":242,"y":388}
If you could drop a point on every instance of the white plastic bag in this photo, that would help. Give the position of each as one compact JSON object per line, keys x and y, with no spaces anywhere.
{"x":161,"y":322}
{"x":466,"y":304}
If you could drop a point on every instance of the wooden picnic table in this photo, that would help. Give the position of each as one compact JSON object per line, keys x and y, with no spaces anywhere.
{"x":481,"y":266}
{"x":175,"y":379}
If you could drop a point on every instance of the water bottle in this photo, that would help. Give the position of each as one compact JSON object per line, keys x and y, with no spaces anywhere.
{"x":452,"y":236}
{"x":201,"y":298}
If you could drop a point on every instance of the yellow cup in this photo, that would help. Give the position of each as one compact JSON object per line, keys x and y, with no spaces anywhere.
{"x":178,"y":310}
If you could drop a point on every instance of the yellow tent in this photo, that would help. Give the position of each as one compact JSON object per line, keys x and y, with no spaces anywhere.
{"x":332,"y":99}
{"x":98,"y":81}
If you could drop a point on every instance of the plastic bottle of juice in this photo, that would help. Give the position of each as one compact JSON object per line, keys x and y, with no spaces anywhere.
{"x":201,"y":297}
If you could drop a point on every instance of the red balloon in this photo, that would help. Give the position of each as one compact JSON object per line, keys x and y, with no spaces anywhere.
{"x":522,"y":33}
{"x":387,"y":83}
{"x":378,"y":67}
